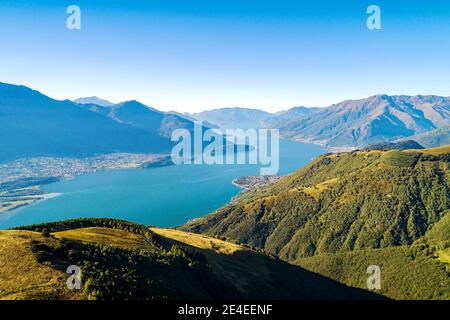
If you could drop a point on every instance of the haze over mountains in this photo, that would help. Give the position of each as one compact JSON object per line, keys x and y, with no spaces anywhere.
{"x":351,"y":123}
{"x":279,"y":119}
{"x":436,"y":137}
{"x":371,"y":120}
{"x":32,"y":124}
{"x":94,"y":100}
{"x":136,"y":114}
{"x":231,"y":118}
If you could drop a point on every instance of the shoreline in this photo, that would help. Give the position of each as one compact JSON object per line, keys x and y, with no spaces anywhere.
{"x":125,"y":165}
{"x":36,"y":199}
{"x":23,"y":190}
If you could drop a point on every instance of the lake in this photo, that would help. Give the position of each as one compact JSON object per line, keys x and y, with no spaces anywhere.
{"x":164,"y":197}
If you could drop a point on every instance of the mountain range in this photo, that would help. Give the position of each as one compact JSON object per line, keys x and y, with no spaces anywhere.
{"x":279,"y":119}
{"x":138,"y":115}
{"x":32,"y":125}
{"x":231,"y":118}
{"x":357,"y":123}
{"x":309,"y":235}
{"x":433,"y":138}
{"x":94,"y":100}
{"x":351,"y":123}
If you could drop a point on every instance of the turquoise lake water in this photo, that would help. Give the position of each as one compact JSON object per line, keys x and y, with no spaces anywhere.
{"x":165,"y":197}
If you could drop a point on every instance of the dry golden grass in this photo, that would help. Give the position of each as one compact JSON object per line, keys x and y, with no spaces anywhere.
{"x":268,"y":202}
{"x":22,"y":277}
{"x":371,"y":152}
{"x":229,"y":261}
{"x":316,"y":190}
{"x":312,"y":191}
{"x":199,"y":241}
{"x":444,"y":255}
{"x":438,"y":150}
{"x":106,"y":236}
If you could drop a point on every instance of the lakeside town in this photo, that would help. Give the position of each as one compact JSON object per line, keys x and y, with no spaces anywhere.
{"x":254,"y":182}
{"x":67,"y":168}
{"x":21,"y":180}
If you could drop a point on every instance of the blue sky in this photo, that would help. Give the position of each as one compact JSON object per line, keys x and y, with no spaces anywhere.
{"x":191,"y":55}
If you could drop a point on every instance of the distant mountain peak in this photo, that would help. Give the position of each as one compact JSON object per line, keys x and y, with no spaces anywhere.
{"x":234,"y":117}
{"x":296,"y":110}
{"x":136,"y":105}
{"x":94,"y":100}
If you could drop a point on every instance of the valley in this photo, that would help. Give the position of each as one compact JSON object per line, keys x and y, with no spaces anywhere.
{"x":310,"y":232}
{"x":146,"y":195}
{"x":225,"y":159}
{"x":309,"y":235}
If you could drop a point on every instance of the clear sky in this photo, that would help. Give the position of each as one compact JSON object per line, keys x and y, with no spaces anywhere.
{"x":191,"y":55}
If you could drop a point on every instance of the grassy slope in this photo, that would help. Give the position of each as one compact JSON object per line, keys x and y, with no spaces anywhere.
{"x":258,"y":274}
{"x":119,"y":264}
{"x":105,"y":236}
{"x":404,"y":276}
{"x":22,"y":277}
{"x":435,"y":151}
{"x":346,"y":205}
{"x":420,"y":271}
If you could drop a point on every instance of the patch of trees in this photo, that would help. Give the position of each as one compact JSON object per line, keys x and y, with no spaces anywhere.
{"x":115,"y":273}
{"x":90,"y":223}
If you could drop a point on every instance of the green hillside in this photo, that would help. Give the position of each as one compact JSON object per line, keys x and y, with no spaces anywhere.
{"x":331,"y":215}
{"x":420,"y":271}
{"x":122,"y":260}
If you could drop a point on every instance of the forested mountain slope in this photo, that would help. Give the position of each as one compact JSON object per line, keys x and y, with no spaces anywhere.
{"x":341,"y":205}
